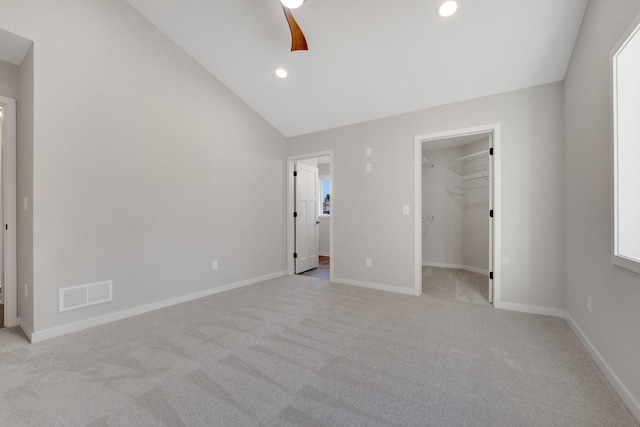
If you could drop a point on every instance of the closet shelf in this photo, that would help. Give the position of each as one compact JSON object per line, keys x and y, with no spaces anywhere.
{"x":469,"y":167}
{"x":456,"y":164}
{"x":481,"y":175}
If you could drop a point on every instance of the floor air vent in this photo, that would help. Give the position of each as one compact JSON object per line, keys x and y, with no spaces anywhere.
{"x":84,"y":295}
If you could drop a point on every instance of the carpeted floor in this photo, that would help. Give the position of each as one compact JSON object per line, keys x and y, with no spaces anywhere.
{"x":455,"y":285}
{"x":323,"y":271}
{"x":299,"y":351}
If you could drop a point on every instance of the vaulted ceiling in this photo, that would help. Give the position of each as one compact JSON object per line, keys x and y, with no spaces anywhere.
{"x":369,"y":59}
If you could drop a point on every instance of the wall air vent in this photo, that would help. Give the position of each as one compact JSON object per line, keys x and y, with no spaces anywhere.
{"x":84,"y":295}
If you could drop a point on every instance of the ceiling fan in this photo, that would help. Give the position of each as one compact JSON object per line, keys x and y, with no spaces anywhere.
{"x":298,"y":42}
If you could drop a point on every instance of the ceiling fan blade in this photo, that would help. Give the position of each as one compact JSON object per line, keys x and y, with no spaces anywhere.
{"x":298,"y":42}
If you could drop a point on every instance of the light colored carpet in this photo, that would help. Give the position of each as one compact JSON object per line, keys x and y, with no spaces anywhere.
{"x":455,"y":285}
{"x":299,"y":351}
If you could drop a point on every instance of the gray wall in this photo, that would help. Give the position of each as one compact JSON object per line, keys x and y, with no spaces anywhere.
{"x":9,"y":80}
{"x":476,"y":207}
{"x":145,"y":167}
{"x":612,"y":326}
{"x":367,"y":207}
{"x":458,"y":234}
{"x":443,"y":237}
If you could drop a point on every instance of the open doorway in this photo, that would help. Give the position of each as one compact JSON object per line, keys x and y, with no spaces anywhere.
{"x":2,"y":291}
{"x":309,"y":225}
{"x":456,"y":215}
{"x":8,"y":246}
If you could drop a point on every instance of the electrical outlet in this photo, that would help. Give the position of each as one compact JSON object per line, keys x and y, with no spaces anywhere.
{"x":26,"y":290}
{"x":214,"y":265}
{"x":405,"y":209}
{"x":367,"y":262}
{"x":367,"y":152}
{"x":367,"y":167}
{"x":589,"y":303}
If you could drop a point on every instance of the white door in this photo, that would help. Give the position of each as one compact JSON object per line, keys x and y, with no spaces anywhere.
{"x":306,"y":217}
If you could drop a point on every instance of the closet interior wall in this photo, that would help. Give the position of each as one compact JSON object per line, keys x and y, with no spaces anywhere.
{"x":455,"y":207}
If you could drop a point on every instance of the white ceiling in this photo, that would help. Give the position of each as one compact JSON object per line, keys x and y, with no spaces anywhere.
{"x":369,"y":59}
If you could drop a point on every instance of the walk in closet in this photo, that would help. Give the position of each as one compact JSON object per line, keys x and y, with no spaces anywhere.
{"x":456,"y":250}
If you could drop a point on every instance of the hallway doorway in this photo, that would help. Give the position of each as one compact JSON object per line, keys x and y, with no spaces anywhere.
{"x":322,"y":225}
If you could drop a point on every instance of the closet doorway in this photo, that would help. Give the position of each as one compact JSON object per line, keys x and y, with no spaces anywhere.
{"x":456,"y":215}
{"x":8,"y":243}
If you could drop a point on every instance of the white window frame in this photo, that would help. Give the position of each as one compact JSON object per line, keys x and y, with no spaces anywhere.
{"x":620,"y":259}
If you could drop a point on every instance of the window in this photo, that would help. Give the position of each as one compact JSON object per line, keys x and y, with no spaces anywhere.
{"x":626,"y":152}
{"x":325,"y":194}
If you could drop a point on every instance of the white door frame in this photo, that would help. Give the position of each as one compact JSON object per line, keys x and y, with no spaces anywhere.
{"x":10,"y":280}
{"x":290,"y":204}
{"x":497,"y":201}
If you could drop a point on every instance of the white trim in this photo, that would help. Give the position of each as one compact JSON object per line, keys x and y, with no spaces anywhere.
{"x":624,"y":393}
{"x":9,"y":215}
{"x":633,"y":30}
{"x":324,"y":253}
{"x":289,"y":213}
{"x":497,"y":200}
{"x":417,"y":214}
{"x":377,"y":286}
{"x":119,"y":315}
{"x":532,"y":309}
{"x":456,"y":266}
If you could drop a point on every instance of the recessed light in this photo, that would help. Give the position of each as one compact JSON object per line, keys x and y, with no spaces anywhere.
{"x":447,"y":8}
{"x":291,"y":4}
{"x":281,"y":72}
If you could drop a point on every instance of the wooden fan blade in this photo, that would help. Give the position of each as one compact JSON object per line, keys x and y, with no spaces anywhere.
{"x":298,"y":42}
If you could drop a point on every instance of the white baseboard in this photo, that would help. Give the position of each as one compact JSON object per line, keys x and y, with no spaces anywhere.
{"x":440,"y":264}
{"x":624,"y":393}
{"x":533,"y":309}
{"x":378,"y":286}
{"x":457,"y":266}
{"x":324,"y":254}
{"x":112,"y":317}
